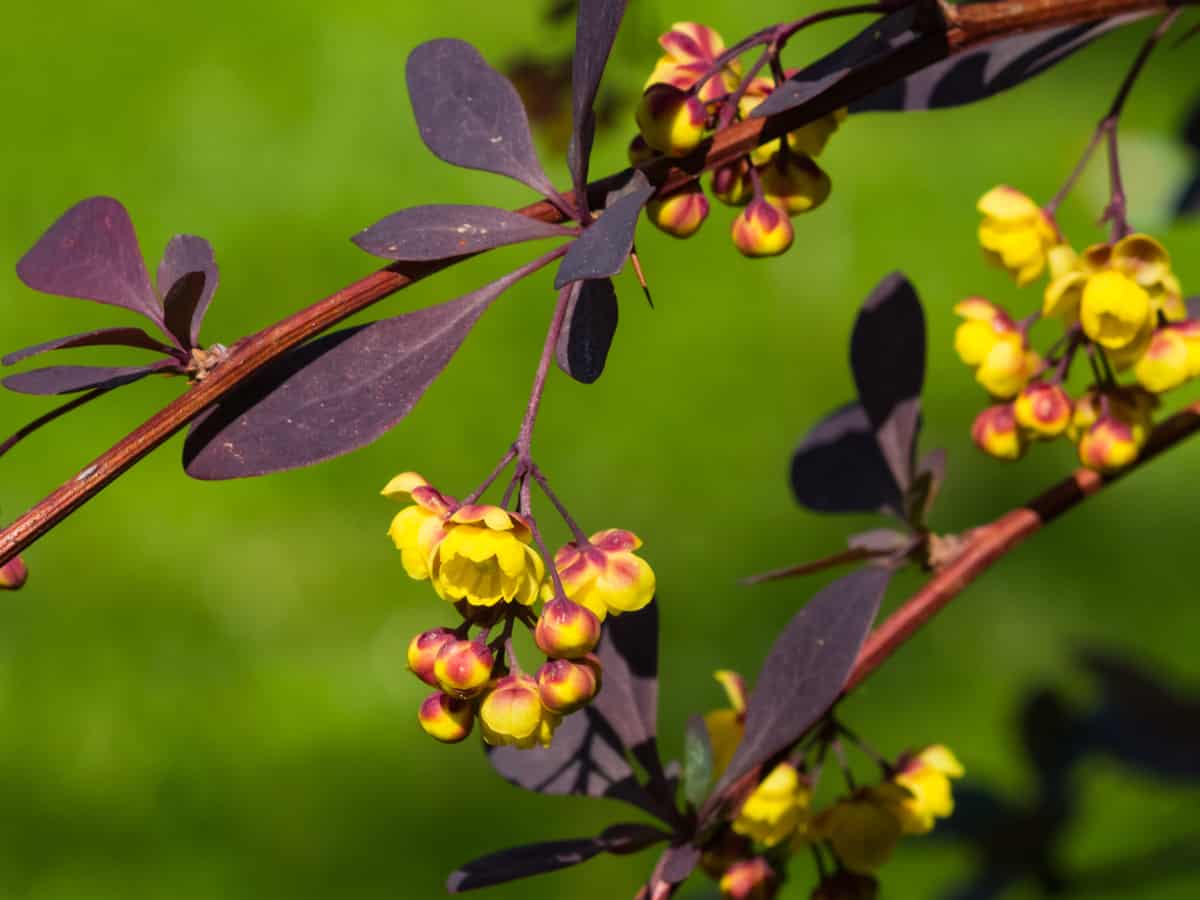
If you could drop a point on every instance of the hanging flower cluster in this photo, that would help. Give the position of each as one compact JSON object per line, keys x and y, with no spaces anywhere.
{"x":1119,"y":303}
{"x":481,"y":559}
{"x":696,"y":87}
{"x":860,"y":830}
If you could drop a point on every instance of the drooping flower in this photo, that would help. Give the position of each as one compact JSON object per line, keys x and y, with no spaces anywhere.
{"x":691,"y":51}
{"x":423,"y":651}
{"x":862,"y":828}
{"x":1015,"y":233}
{"x":566,"y":629}
{"x":445,"y":718}
{"x":486,"y":558}
{"x":416,"y":529}
{"x":777,"y":808}
{"x":925,"y":777}
{"x":463,"y":668}
{"x":606,"y":575}
{"x":1008,"y":366}
{"x":1166,"y":362}
{"x":984,"y":323}
{"x":762,"y":229}
{"x":680,"y":213}
{"x":795,"y":184}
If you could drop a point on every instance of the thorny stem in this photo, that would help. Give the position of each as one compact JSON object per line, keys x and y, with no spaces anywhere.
{"x":581,"y":539}
{"x":965,"y":27}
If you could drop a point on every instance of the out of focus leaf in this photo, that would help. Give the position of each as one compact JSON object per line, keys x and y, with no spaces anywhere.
{"x":839,"y":467}
{"x":806,"y":668}
{"x":595,"y":30}
{"x":534,"y":859}
{"x":697,"y":761}
{"x":335,"y":394}
{"x":470,"y":115}
{"x":185,"y":296}
{"x":72,"y":379}
{"x":604,"y":246}
{"x":92,"y":253}
{"x":588,"y":329}
{"x":880,"y":541}
{"x":443,"y":231}
{"x":678,"y":863}
{"x":887,"y":355}
{"x":101,"y":337}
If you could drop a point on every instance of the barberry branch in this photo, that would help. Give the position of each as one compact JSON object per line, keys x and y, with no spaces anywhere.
{"x":950,"y":30}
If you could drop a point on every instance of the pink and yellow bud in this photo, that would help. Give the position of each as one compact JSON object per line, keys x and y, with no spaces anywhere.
{"x":777,"y":808}
{"x":749,"y":879}
{"x":731,"y":184}
{"x":1166,"y":362}
{"x":566,"y":630}
{"x":1109,"y":444}
{"x":1114,"y":309}
{"x":691,"y":49}
{"x":512,"y":714}
{"x":762,"y":229}
{"x":13,"y":574}
{"x":1044,"y":409}
{"x":671,"y":121}
{"x":796,"y":184}
{"x":565,"y":686}
{"x":485,"y":558}
{"x":445,"y":718}
{"x":983,"y":325}
{"x":1008,"y":366}
{"x":1015,"y":233}
{"x":681,"y":213}
{"x":606,"y":575}
{"x":996,"y":433}
{"x":463,"y":668}
{"x":423,"y":652}
{"x":846,"y":886}
{"x":925,"y":777}
{"x":862,"y":828}
{"x":726,"y":726}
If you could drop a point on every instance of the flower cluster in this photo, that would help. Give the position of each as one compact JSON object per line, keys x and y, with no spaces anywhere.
{"x":860,"y":829}
{"x":1119,"y":303}
{"x":481,"y":559}
{"x":695,"y":86}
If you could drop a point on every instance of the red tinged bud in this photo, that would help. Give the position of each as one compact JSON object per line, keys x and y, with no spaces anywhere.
{"x":565,"y":686}
{"x":445,"y":718}
{"x":13,"y":574}
{"x":566,"y":630}
{"x":762,"y":229}
{"x":463,"y":668}
{"x":671,"y":121}
{"x":749,"y":879}
{"x":1043,"y":408}
{"x":423,"y":651}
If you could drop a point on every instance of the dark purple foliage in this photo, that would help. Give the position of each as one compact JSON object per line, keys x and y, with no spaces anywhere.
{"x":187,"y":278}
{"x":72,"y":379}
{"x":335,"y":394}
{"x":470,"y":115}
{"x":806,"y":668}
{"x":101,"y":337}
{"x":840,"y":468}
{"x":534,"y":859}
{"x":678,"y":863}
{"x":887,"y":355}
{"x":92,"y":253}
{"x":595,"y":30}
{"x":445,"y":231}
{"x":604,"y":246}
{"x":588,"y":330}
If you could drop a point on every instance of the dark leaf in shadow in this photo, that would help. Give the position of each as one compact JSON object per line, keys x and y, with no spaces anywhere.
{"x":101,"y":337}
{"x":444,"y":231}
{"x":604,"y":246}
{"x":470,"y":115}
{"x":588,"y":330}
{"x":596,"y":27}
{"x":697,"y":761}
{"x":187,"y":279}
{"x":839,"y":467}
{"x":72,"y":379}
{"x":1188,"y":201}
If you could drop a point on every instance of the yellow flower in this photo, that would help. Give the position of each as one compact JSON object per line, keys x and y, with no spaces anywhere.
{"x":485,"y":558}
{"x":1166,"y":362}
{"x":863,"y":828}
{"x":776,"y":808}
{"x":1114,"y":309}
{"x":416,"y":530}
{"x":512,"y":714}
{"x":995,"y":432}
{"x":606,"y":575}
{"x":1043,"y":408}
{"x":725,"y":726}
{"x":1008,"y":366}
{"x":691,"y":49}
{"x":1015,"y":233}
{"x":977,"y":335}
{"x":925,"y":777}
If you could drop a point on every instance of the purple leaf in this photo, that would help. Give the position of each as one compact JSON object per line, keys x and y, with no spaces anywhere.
{"x":72,"y":379}
{"x":887,"y":354}
{"x":840,"y":468}
{"x":470,"y":115}
{"x":186,"y":297}
{"x":677,"y":863}
{"x":101,"y":337}
{"x":880,"y":540}
{"x":925,"y":487}
{"x":535,"y":859}
{"x":605,"y":244}
{"x":595,"y":30}
{"x":92,"y":253}
{"x":587,"y":332}
{"x":979,"y":74}
{"x":445,"y":231}
{"x":806,"y":668}
{"x":335,"y":394}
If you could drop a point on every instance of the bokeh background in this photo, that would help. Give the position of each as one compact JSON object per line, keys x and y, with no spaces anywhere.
{"x":202,"y":689}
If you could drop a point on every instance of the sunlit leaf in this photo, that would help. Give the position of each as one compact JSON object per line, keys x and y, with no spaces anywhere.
{"x":604,"y":246}
{"x":72,"y":379}
{"x":101,"y":337}
{"x":187,"y":279}
{"x":588,"y":329}
{"x":596,"y":28}
{"x":445,"y":231}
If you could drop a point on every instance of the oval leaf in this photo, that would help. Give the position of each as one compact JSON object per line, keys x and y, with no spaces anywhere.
{"x":628,"y":699}
{"x":470,"y":115}
{"x":605,"y":244}
{"x":101,"y":337}
{"x":596,"y":28}
{"x":445,"y":231}
{"x":840,"y":468}
{"x":72,"y":379}
{"x":887,"y":354}
{"x":588,"y":329}
{"x":185,"y":296}
{"x":806,"y":668}
{"x":335,"y":394}
{"x":92,"y":253}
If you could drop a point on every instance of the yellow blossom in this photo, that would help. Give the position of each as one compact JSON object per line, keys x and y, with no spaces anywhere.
{"x":925,"y":777}
{"x":776,"y":808}
{"x":1114,"y":309}
{"x":725,"y":726}
{"x":606,"y":575}
{"x":1015,"y":233}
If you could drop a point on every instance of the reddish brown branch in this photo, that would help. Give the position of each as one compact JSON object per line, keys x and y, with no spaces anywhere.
{"x":959,"y":29}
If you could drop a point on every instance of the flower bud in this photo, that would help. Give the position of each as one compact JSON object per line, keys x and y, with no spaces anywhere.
{"x":762,"y":229}
{"x":731,"y":183}
{"x":566,"y":630}
{"x":1044,"y":408}
{"x":1015,"y":233}
{"x":1164,"y":364}
{"x":1190,"y":329}
{"x":639,"y":151}
{"x":565,"y":686}
{"x":847,"y":886}
{"x":1110,"y":444}
{"x":13,"y":574}
{"x":463,"y":668}
{"x":681,"y":213}
{"x":983,"y":325}
{"x":423,"y":651}
{"x":1008,"y":366}
{"x":925,"y":777}
{"x":796,"y":184}
{"x":995,"y":432}
{"x":862,"y":828}
{"x":512,"y":713}
{"x":749,"y":879}
{"x":811,"y":139}
{"x":606,"y":575}
{"x":671,"y":121}
{"x":445,"y":718}
{"x":776,"y":808}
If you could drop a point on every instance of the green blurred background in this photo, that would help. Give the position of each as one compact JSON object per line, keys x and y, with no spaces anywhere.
{"x":202,"y":689}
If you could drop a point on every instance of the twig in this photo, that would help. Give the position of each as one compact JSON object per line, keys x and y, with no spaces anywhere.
{"x":525,"y":435}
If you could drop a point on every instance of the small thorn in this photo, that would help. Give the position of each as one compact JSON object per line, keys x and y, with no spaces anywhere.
{"x":641,"y":276}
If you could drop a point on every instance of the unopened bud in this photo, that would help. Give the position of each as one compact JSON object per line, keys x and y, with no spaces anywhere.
{"x":1165,"y":363}
{"x":749,"y":879}
{"x":995,"y":432}
{"x":512,"y":713}
{"x":462,"y":668}
{"x":445,"y":718}
{"x":565,"y":686}
{"x":671,"y":121}
{"x":731,"y":183}
{"x":423,"y":651}
{"x":13,"y":574}
{"x":762,"y":229}
{"x":795,"y":183}
{"x":566,"y":630}
{"x":1044,"y":408}
{"x":1110,"y":444}
{"x":681,"y":213}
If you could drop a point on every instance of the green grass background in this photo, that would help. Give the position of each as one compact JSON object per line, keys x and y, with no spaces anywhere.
{"x":202,"y":689}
